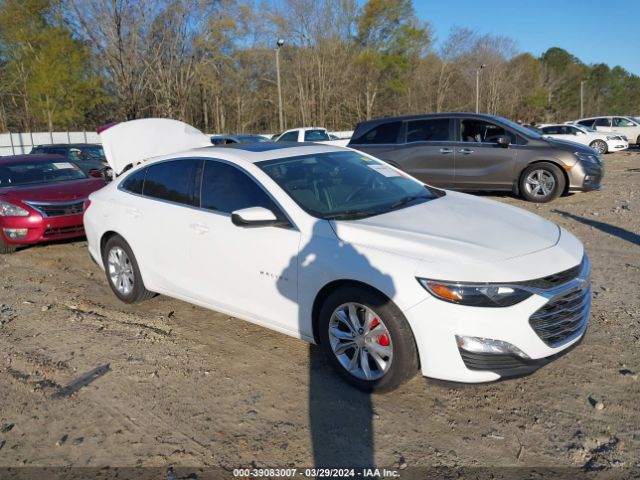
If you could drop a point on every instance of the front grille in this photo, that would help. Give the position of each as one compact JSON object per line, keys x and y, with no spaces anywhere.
{"x":563,"y":317}
{"x":556,"y":279}
{"x":63,"y":231}
{"x":61,"y":209}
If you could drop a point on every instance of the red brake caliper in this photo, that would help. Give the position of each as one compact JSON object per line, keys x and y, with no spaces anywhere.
{"x":382,"y":339}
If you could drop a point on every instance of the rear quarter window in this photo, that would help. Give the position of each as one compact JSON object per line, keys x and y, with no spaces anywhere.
{"x":134,"y":182}
{"x":380,"y":134}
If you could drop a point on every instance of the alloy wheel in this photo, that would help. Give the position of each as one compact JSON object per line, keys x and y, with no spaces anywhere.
{"x":540,"y":183}
{"x":360,"y":341}
{"x":120,"y":270}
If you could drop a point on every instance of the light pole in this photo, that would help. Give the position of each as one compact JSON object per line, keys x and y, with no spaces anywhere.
{"x":478,"y":87}
{"x":279,"y":44}
{"x":582,"y":98}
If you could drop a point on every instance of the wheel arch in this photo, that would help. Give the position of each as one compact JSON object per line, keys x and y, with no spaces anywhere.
{"x":552,"y":162}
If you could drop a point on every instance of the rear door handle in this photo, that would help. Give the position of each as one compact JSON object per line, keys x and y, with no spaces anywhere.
{"x":199,"y":227}
{"x":134,"y":212}
{"x":446,"y":150}
{"x":465,"y":151}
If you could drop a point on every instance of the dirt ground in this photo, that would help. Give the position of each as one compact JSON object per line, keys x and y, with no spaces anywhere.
{"x":88,"y":381}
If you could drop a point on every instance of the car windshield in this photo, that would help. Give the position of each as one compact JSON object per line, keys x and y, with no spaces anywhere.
{"x":345,"y":185}
{"x":527,"y":132}
{"x":30,"y":173}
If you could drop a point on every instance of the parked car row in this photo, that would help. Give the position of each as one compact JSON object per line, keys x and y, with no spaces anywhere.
{"x":602,"y":142}
{"x":628,"y":127}
{"x":333,"y":245}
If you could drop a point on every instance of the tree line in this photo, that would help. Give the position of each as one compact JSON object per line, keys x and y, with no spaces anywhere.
{"x":76,"y":64}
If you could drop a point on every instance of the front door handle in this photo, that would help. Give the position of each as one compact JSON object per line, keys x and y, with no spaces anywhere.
{"x":465,"y":151}
{"x":199,"y":227}
{"x":446,"y":150}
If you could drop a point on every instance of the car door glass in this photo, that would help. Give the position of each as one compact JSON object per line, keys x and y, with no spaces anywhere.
{"x":315,"y":136}
{"x":602,"y":122}
{"x":621,"y":122}
{"x":431,"y":130}
{"x":289,"y":137}
{"x":587,"y":123}
{"x":174,"y":181}
{"x":226,"y":189}
{"x":550,"y":130}
{"x":481,"y":131}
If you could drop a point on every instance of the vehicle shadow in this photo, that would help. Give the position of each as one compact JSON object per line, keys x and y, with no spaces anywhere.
{"x":340,"y":416}
{"x":619,"y":232}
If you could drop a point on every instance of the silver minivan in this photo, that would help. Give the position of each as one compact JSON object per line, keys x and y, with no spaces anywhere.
{"x":474,"y":152}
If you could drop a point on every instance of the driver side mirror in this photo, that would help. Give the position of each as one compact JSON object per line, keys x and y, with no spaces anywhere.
{"x":256,"y":217}
{"x":504,"y":141}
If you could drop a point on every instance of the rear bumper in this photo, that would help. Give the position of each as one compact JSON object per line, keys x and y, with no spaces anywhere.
{"x":42,"y":229}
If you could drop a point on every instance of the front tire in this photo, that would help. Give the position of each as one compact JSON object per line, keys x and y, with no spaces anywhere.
{"x":123,"y":273}
{"x":367,"y":339}
{"x":542,"y":182}
{"x":600,"y":146}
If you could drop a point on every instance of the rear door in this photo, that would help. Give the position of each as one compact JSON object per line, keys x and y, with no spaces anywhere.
{"x":421,"y":147}
{"x":480,"y":163}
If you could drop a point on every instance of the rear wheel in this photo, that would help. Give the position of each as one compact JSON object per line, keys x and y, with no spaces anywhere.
{"x":542,"y":182}
{"x":367,"y":339}
{"x":122,"y":271}
{"x":5,"y":248}
{"x":599,"y":146}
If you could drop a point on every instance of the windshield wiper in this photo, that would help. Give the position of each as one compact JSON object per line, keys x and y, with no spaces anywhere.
{"x":409,"y":199}
{"x":350,"y":215}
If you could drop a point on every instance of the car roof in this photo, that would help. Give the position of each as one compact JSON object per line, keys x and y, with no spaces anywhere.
{"x":31,"y":158}
{"x":420,"y":116}
{"x":69,"y":145}
{"x":241,"y":153}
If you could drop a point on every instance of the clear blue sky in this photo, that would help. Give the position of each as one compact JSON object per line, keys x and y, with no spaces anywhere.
{"x":594,"y":31}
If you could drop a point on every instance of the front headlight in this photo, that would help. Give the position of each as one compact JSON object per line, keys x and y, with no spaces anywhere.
{"x":588,"y":157}
{"x":11,"y":210}
{"x":475,"y":295}
{"x":609,"y":137}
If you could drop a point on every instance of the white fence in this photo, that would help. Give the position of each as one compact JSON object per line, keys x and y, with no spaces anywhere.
{"x":17,"y":143}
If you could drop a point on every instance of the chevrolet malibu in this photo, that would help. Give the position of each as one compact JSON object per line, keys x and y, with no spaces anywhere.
{"x":41,"y":199}
{"x":388,"y":275}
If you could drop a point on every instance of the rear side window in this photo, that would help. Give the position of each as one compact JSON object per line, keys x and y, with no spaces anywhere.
{"x":602,"y":122}
{"x":587,"y":123}
{"x":383,"y":133}
{"x":174,"y":181}
{"x":134,"y":182}
{"x":225,"y":189}
{"x":431,"y":130}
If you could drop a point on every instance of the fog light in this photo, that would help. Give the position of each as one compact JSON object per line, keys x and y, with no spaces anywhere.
{"x":15,"y":233}
{"x":488,"y":345}
{"x":587,"y":178}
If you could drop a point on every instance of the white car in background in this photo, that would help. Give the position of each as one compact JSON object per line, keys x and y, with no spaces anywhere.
{"x":310,"y":134}
{"x":601,"y":142}
{"x":335,"y":247}
{"x":625,"y":126}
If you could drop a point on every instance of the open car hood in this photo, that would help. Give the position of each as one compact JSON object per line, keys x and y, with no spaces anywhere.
{"x":129,"y":143}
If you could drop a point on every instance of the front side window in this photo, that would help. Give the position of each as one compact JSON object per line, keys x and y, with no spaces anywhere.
{"x":175,"y":181}
{"x":316,"y":136}
{"x":481,"y":131}
{"x":345,"y":185}
{"x":622,"y":122}
{"x":226,"y":189}
{"x":431,"y":130}
{"x":289,"y":137}
{"x":602,"y":122}
{"x":380,"y":134}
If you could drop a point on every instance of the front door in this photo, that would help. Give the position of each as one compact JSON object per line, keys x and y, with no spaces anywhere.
{"x":480,"y":163}
{"x":251,"y":271}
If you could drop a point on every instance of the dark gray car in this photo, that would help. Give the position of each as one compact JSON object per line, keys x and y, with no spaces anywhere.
{"x":468,"y":151}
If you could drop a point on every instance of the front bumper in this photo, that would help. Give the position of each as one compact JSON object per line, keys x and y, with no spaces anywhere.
{"x":617,"y":145}
{"x":42,"y":229}
{"x":585,"y":177}
{"x":531,"y":326}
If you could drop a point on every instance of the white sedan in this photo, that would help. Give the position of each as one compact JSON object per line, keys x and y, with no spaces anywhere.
{"x":601,"y":142}
{"x":389,"y":276}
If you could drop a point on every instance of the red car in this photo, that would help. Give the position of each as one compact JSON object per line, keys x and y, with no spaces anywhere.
{"x":41,"y":199}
